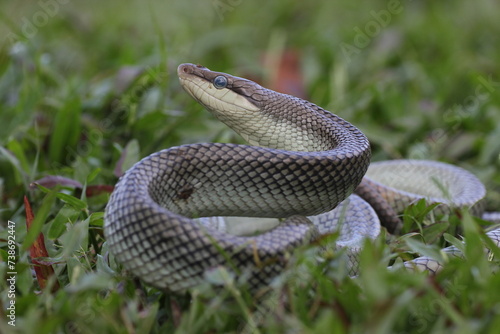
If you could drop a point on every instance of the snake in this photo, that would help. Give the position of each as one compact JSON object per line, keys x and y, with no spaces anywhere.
{"x":303,"y":165}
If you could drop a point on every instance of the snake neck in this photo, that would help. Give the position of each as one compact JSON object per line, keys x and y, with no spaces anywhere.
{"x":267,"y":118}
{"x":288,"y":123}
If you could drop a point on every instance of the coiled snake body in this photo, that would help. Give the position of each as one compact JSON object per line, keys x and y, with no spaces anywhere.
{"x":307,"y":161}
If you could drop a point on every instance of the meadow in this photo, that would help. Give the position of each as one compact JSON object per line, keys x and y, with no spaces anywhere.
{"x":89,"y":88}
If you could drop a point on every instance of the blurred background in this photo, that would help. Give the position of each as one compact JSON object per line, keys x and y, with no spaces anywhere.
{"x":88,"y":88}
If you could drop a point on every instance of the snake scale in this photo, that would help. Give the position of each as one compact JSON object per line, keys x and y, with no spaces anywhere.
{"x":304,"y":161}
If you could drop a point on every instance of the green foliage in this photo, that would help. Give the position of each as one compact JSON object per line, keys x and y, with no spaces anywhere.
{"x":89,"y":88}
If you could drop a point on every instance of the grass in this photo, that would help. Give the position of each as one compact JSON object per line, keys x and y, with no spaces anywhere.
{"x":85,"y":83}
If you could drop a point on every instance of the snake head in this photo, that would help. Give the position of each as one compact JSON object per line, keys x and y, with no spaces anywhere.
{"x":220,"y":92}
{"x":235,"y":101}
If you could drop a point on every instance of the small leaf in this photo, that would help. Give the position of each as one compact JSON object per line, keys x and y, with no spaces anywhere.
{"x":459,"y":244}
{"x":34,"y":185}
{"x":425,"y":250}
{"x":37,"y":250}
{"x":416,"y":213}
{"x":21,"y":175}
{"x":433,"y":232}
{"x":492,"y":246}
{"x":19,"y":153}
{"x":474,"y":247}
{"x":90,"y":281}
{"x":37,"y":222}
{"x":97,"y":219}
{"x":93,"y":175}
{"x":67,"y":214}
{"x":75,"y":238}
{"x":102,"y":266}
{"x":66,"y":130}
{"x":73,"y":201}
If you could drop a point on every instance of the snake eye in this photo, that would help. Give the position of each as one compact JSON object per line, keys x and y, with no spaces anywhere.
{"x":220,"y":82}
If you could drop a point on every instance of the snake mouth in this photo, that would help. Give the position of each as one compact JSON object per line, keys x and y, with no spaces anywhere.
{"x":187,"y":69}
{"x":190,"y":71}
